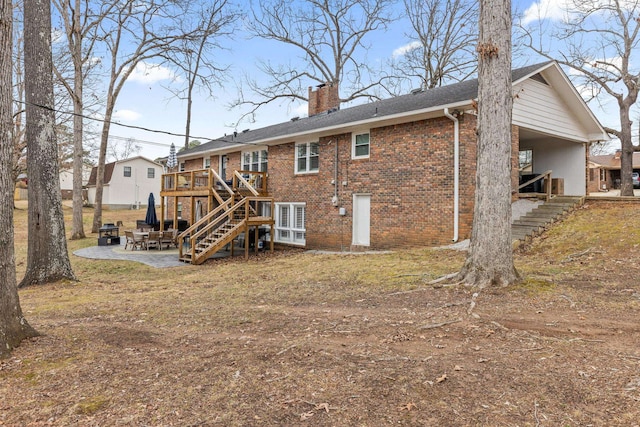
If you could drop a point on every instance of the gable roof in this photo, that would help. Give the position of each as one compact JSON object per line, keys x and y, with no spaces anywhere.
{"x":612,"y":161}
{"x":109,"y":167}
{"x":418,"y":104}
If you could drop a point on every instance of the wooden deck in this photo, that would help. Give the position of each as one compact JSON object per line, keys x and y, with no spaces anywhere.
{"x":233,"y":207}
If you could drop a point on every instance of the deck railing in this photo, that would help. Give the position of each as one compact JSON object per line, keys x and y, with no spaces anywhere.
{"x":547,"y":184}
{"x":250,"y":180}
{"x":203,"y":179}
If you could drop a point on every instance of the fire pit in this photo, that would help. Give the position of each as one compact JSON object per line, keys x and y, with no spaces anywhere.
{"x":108,"y":234}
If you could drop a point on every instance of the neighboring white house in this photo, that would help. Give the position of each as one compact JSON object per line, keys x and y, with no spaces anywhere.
{"x":66,"y":180}
{"x":127,"y":183}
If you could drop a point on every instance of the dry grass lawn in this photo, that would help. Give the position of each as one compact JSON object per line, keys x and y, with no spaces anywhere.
{"x":299,"y":339}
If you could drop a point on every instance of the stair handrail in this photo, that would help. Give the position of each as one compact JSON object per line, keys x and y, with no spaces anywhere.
{"x":200,"y":222}
{"x":213,"y":176}
{"x":193,"y":238}
{"x":547,"y":184}
{"x":221,"y":181}
{"x":249,"y":187}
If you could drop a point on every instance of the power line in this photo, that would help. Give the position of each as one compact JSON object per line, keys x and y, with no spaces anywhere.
{"x":128,"y":138}
{"x":144,"y":129}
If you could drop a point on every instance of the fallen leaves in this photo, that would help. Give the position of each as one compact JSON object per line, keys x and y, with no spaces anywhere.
{"x":408,"y":407}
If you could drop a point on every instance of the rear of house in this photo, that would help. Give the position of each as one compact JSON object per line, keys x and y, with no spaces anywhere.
{"x":399,"y":172}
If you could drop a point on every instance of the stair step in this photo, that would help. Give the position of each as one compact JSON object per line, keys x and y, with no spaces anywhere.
{"x":543,"y":215}
{"x":531,"y":219}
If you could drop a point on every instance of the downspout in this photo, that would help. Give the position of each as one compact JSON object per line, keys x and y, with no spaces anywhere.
{"x":334,"y":199}
{"x":456,"y":172}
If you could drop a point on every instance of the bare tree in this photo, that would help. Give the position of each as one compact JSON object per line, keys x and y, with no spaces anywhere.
{"x":79,"y":23}
{"x":13,"y":326}
{"x":47,"y":256}
{"x":127,"y":149}
{"x":19,"y":160}
{"x":192,"y":55}
{"x":490,"y":258}
{"x":442,"y":44}
{"x":331,"y":39}
{"x":600,"y":39}
{"x":132,"y":33}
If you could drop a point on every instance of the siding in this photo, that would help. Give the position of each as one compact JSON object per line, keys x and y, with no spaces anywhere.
{"x":537,"y":106}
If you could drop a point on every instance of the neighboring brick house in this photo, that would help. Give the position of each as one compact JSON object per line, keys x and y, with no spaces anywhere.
{"x":604,"y":171}
{"x":384,"y":174}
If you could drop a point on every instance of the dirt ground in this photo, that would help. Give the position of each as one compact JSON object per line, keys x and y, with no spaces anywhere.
{"x":295,"y":339}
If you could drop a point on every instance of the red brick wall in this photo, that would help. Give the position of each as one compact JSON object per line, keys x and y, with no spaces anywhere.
{"x":323,"y":99}
{"x":409,"y":175}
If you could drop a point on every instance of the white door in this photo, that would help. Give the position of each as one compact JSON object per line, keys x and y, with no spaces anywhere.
{"x":361,"y":219}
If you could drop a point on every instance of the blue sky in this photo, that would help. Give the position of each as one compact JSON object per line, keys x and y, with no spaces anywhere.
{"x":145,"y":103}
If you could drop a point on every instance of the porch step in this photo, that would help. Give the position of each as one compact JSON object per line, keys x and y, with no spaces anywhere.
{"x":542,"y":217}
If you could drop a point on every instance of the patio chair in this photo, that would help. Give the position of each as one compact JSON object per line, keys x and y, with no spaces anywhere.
{"x":154,"y":240}
{"x":130,"y":239}
{"x":139,"y":241}
{"x":169,"y":237}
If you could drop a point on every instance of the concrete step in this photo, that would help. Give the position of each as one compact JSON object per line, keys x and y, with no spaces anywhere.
{"x":531,"y":220}
{"x":540,"y":218}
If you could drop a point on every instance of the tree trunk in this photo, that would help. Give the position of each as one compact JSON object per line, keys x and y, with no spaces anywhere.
{"x":13,"y":326}
{"x":77,"y":225}
{"x":626,"y":145}
{"x":47,"y":255}
{"x":490,"y":258}
{"x":102,"y":156}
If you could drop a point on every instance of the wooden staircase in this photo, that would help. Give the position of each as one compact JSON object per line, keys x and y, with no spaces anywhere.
{"x":543,"y":216}
{"x":236,"y":213}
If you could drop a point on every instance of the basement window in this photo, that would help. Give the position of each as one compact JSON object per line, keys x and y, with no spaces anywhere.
{"x":290,"y":223}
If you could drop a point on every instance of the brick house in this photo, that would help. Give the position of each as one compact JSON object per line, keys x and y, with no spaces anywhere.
{"x":401,"y":171}
{"x":604,"y":171}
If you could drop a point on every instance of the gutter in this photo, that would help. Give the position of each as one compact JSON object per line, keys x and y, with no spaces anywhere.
{"x":456,"y":172}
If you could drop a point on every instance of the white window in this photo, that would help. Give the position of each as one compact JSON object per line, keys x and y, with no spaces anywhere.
{"x":307,"y":158}
{"x":254,"y":160}
{"x":182,"y":166}
{"x":290,"y":228}
{"x":360,"y":145}
{"x":206,"y":164}
{"x":151,"y":172}
{"x":127,"y":171}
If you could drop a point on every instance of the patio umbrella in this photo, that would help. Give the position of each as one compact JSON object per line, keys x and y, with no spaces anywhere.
{"x":198,"y":210}
{"x":172,"y":160}
{"x":151,"y":217}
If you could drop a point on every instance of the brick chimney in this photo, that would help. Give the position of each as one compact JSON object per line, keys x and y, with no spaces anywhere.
{"x":617,"y":155}
{"x":324,"y":98}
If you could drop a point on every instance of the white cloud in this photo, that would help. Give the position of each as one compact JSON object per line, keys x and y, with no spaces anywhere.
{"x":403,"y":50}
{"x":301,"y":110}
{"x":562,"y":9}
{"x":147,"y":73}
{"x":546,"y":9}
{"x":126,"y":115}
